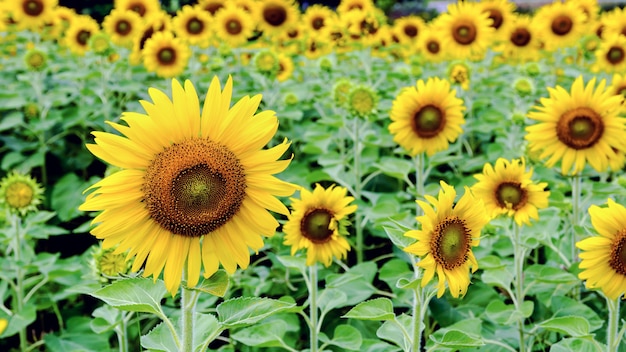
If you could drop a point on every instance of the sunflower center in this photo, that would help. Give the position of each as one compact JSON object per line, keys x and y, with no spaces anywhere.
{"x":213,"y":7}
{"x":410,"y":31}
{"x":432,"y":47}
{"x":194,"y":187}
{"x":315,"y":225}
{"x":36,"y":60}
{"x":166,"y":56}
{"x":618,"y":253}
{"x":450,"y":243}
{"x":562,"y":25}
{"x":317,"y":23}
{"x":33,"y":8}
{"x":580,"y":128}
{"x":511,"y":195}
{"x":19,"y":195}
{"x":362,"y":101}
{"x":139,"y":8}
{"x":275,"y":15}
{"x":195,"y":26}
{"x":122,"y":27}
{"x":112,"y":264}
{"x":496,"y":18}
{"x":233,"y":27}
{"x":520,"y":37}
{"x":428,"y":121}
{"x":615,"y":55}
{"x":464,"y":33}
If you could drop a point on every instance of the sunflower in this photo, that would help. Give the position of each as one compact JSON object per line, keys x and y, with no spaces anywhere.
{"x":459,"y":73}
{"x":408,"y":28}
{"x":192,"y":25}
{"x":501,"y":13}
{"x":611,"y":54}
{"x":35,"y":59}
{"x":317,"y":19}
{"x":578,"y":127}
{"x":212,"y":6}
{"x":318,"y":222}
{"x":618,"y":86}
{"x":266,"y":62}
{"x":276,"y":16}
{"x":426,"y":117}
{"x":444,"y":242}
{"x":123,"y":26}
{"x":20,"y":193}
{"x":603,"y":260}
{"x":145,"y":8}
{"x":430,"y":46}
{"x":362,"y":101}
{"x":3,"y":325}
{"x":346,"y":6}
{"x":31,"y":14}
{"x":522,"y":43}
{"x":233,"y":25}
{"x":78,"y":34}
{"x":285,"y":67}
{"x":507,"y":188}
{"x":165,"y":55}
{"x":195,"y":188}
{"x":615,"y":22}
{"x":466,"y":29}
{"x":560,"y":24}
{"x":590,"y":8}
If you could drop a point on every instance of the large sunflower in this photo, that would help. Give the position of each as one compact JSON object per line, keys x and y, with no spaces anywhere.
{"x":466,"y":30}
{"x":193,"y":25}
{"x":78,"y":34}
{"x":318,"y":222}
{"x":194,"y":187}
{"x":31,"y":14}
{"x":611,"y":54}
{"x":123,"y":26}
{"x":578,"y":127}
{"x":426,"y":117}
{"x":508,"y":189}
{"x":276,"y":16}
{"x":560,"y":24}
{"x":233,"y":25}
{"x":603,"y":261}
{"x":165,"y":55}
{"x":444,"y":242}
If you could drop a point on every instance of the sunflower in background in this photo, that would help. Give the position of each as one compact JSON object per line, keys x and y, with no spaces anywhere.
{"x":409,"y":28}
{"x":212,"y":6}
{"x":611,"y":53}
{"x":590,"y":8}
{"x":20,"y":193}
{"x":426,"y":117}
{"x":78,"y":34}
{"x":501,"y":13}
{"x":318,"y":222}
{"x":522,"y":42}
{"x":123,"y":26}
{"x":430,"y":46}
{"x":193,"y":25}
{"x":560,"y":24}
{"x":346,"y":6}
{"x":195,"y":187}
{"x":614,"y":22}
{"x":285,"y":67}
{"x":466,"y":30}
{"x":31,"y":14}
{"x":276,"y":16}
{"x":618,"y":86}
{"x":165,"y":55}
{"x":578,"y":127}
{"x":233,"y":25}
{"x":318,"y":19}
{"x":507,"y":188}
{"x":144,"y":8}
{"x":444,"y":242}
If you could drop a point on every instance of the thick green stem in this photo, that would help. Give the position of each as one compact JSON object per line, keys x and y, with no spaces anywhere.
{"x":357,"y":190}
{"x":313,"y":307}
{"x":188,"y":305}
{"x":576,"y":220}
{"x":19,"y":279}
{"x":519,"y":258}
{"x":419,"y":302}
{"x":612,"y":341}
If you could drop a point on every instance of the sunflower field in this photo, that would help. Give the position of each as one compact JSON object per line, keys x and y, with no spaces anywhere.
{"x":264,"y":175}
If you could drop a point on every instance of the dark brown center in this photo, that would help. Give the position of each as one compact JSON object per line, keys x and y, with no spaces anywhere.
{"x":521,"y":37}
{"x":33,"y":8}
{"x":511,"y":195}
{"x":580,"y":128}
{"x":166,"y":56}
{"x":618,"y":253}
{"x":275,"y":15}
{"x":562,"y":25}
{"x":315,"y":225}
{"x":451,"y":243}
{"x":496,"y":18}
{"x":195,"y":26}
{"x":123,"y":27}
{"x":615,"y":55}
{"x":428,"y":121}
{"x":464,"y":32}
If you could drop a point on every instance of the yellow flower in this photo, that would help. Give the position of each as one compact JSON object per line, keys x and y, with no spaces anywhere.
{"x":31,"y":14}
{"x":193,"y":25}
{"x":603,"y":261}
{"x":165,"y":55}
{"x":276,"y":16}
{"x":426,"y":117}
{"x":285,"y":67}
{"x":212,"y":6}
{"x":611,"y":54}
{"x":123,"y":26}
{"x":144,"y":8}
{"x":195,"y":187}
{"x":35,"y":59}
{"x":444,"y":242}
{"x":318,"y":19}
{"x":233,"y":25}
{"x":362,"y":101}
{"x":560,"y":24}
{"x":508,"y":189}
{"x":429,"y":44}
{"x":459,"y":73}
{"x":409,"y":28}
{"x":318,"y":223}
{"x":578,"y":127}
{"x":465,"y":30}
{"x":78,"y":34}
{"x":522,"y":42}
{"x":20,"y":193}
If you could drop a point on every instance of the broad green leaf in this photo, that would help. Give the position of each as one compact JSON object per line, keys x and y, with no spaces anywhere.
{"x":217,"y":284}
{"x":20,"y":320}
{"x":206,"y":327}
{"x":374,"y":309}
{"x":396,"y":235}
{"x":576,"y":344}
{"x":458,"y":339}
{"x":76,"y":342}
{"x":395,"y":167}
{"x":394,"y":270}
{"x":249,"y":310}
{"x":574,"y":326}
{"x":331,"y":298}
{"x":135,"y":295}
{"x":507,"y":314}
{"x":345,"y":336}
{"x":497,"y":277}
{"x":565,"y":306}
{"x":105,"y":319}
{"x":391,"y":331}
{"x":67,"y":196}
{"x":268,"y":334}
{"x":292,"y":262}
{"x":377,"y":345}
{"x":159,"y":339}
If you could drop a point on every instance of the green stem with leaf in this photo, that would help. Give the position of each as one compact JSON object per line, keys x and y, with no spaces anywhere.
{"x":313,"y":324}
{"x":519,"y":257}
{"x":19,"y":275}
{"x":357,"y":190}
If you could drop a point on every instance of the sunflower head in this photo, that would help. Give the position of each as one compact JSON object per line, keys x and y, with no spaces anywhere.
{"x":107,"y":264}
{"x":318,"y":223}
{"x":100,"y":44}
{"x":20,"y":193}
{"x":362,"y":101}
{"x":341,"y":90}
{"x":35,"y":59}
{"x":266,"y":62}
{"x":524,"y":86}
{"x":459,"y":73}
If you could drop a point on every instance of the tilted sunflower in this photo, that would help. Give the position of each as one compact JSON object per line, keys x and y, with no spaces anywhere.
{"x":466,"y":30}
{"x":285,"y":67}
{"x":318,"y":223}
{"x":426,"y":117}
{"x":165,"y":54}
{"x":194,"y":187}
{"x":233,"y":25}
{"x":144,"y":8}
{"x":78,"y":34}
{"x":193,"y":25}
{"x":576,"y":128}
{"x":501,"y":13}
{"x":444,"y":242}
{"x":603,"y":258}
{"x":611,"y":54}
{"x":31,"y":14}
{"x":560,"y":24}
{"x":123,"y":26}
{"x":276,"y":16}
{"x":507,"y":188}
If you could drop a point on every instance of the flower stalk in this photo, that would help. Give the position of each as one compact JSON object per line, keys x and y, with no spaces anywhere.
{"x":612,"y":338}
{"x":519,"y":254}
{"x":313,"y":324}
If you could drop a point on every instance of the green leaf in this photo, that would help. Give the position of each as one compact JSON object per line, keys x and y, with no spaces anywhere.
{"x":11,"y":120}
{"x":268,"y":334}
{"x":345,"y":336}
{"x":396,"y":235}
{"x":159,"y":339}
{"x":570,"y":325}
{"x":565,"y":306}
{"x":374,"y":309}
{"x":249,"y":310}
{"x":390,"y":331}
{"x":507,"y":314}
{"x":135,"y":295}
{"x":292,"y":262}
{"x":75,"y":342}
{"x":20,"y":320}
{"x":217,"y":284}
{"x":395,"y":167}
{"x":458,"y":339}
{"x":331,"y":298}
{"x":67,"y":196}
{"x":575,"y":344}
{"x":105,"y":319}
{"x":497,"y":277}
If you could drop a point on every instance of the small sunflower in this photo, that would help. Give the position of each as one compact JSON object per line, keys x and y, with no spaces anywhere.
{"x":31,"y":14}
{"x":578,"y":127}
{"x":20,"y":193}
{"x":522,"y":42}
{"x":501,"y":13}
{"x":233,"y":25}
{"x":106,"y":264}
{"x":276,"y":16}
{"x":165,"y":55}
{"x":426,"y":117}
{"x":614,"y":22}
{"x":560,"y":24}
{"x":78,"y":34}
{"x":459,"y":73}
{"x":430,"y":46}
{"x":100,"y":44}
{"x":318,"y":222}
{"x":466,"y":30}
{"x":35,"y":59}
{"x":409,"y":28}
{"x":340,"y":91}
{"x":318,"y":19}
{"x":507,"y":188}
{"x":144,"y":8}
{"x":195,"y":187}
{"x":346,"y":6}
{"x":266,"y":62}
{"x":193,"y":25}
{"x":444,"y":242}
{"x":285,"y":67}
{"x":362,"y":101}
{"x":123,"y":26}
{"x":603,"y":258}
{"x":611,"y":54}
